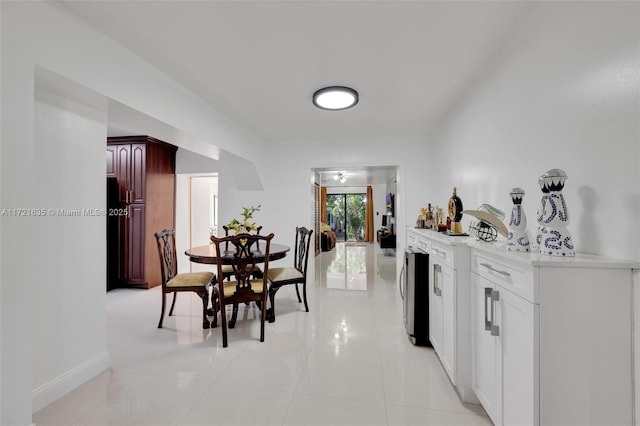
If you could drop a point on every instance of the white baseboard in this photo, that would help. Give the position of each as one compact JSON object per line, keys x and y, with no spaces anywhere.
{"x":61,"y":385}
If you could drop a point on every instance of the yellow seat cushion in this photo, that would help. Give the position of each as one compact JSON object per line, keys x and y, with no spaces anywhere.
{"x":284,"y":274}
{"x":228,"y":269}
{"x":325,"y":227}
{"x":190,"y":279}
{"x":230,"y":287}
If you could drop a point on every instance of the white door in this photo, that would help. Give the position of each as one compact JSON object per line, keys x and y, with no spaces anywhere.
{"x":435,"y":306}
{"x":485,"y":350}
{"x":447,"y":283}
{"x":517,"y":321}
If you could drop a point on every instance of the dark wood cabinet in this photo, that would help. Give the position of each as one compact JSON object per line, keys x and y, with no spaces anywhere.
{"x":144,"y":168}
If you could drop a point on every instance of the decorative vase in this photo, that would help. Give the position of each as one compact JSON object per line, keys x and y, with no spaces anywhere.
{"x":455,"y":212}
{"x":553,"y":216}
{"x":518,"y":239}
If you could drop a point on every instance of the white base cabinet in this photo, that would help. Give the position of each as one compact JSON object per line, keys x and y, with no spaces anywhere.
{"x":551,"y":338}
{"x":449,"y":304}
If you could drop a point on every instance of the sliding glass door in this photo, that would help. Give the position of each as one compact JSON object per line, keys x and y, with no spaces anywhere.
{"x":346,"y":214}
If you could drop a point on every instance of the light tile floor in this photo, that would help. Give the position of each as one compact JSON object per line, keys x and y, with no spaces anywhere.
{"x":346,"y":362}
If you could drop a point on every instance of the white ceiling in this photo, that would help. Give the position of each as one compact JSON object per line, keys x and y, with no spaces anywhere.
{"x":259,"y":62}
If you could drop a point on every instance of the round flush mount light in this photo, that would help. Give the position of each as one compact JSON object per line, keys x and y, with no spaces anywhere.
{"x":335,"y":98}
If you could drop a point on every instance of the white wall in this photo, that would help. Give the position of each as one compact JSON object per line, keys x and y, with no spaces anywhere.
{"x":563,"y":93}
{"x":70,"y":250}
{"x":37,"y":35}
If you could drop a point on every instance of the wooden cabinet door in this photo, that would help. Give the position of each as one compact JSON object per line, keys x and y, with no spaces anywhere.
{"x":485,"y":350}
{"x":134,"y":251}
{"x":138,"y":173}
{"x":123,"y":171}
{"x":112,"y":162}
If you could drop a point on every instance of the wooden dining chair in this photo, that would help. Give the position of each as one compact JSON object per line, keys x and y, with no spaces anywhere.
{"x":227,"y":270}
{"x":297,"y":274}
{"x":242,"y":252}
{"x":172,"y":282}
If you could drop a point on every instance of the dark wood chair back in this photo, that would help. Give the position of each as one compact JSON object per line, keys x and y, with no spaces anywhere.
{"x":243,"y":252}
{"x":303,"y":241}
{"x":197,"y":282}
{"x":166,"y":240}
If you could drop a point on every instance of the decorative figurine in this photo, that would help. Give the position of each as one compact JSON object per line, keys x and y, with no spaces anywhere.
{"x":490,"y":223}
{"x":518,"y":239}
{"x":455,"y":212}
{"x":553,"y":237}
{"x":540,"y":231}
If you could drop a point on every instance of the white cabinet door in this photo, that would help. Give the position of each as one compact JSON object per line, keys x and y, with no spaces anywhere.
{"x":517,"y":323}
{"x":435,"y":306}
{"x":504,"y":354}
{"x":486,"y":353}
{"x":447,"y":356}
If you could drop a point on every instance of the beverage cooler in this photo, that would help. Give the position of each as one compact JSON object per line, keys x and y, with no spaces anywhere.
{"x":414,"y":290}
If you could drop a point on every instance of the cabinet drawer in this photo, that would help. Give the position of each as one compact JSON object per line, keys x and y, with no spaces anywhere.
{"x":442,"y":254}
{"x":514,"y":277}
{"x":411,"y":239}
{"x":422,"y":245}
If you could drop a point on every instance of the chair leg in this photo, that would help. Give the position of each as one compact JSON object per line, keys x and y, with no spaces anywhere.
{"x":223,"y":319}
{"x":304,"y":295}
{"x":173,"y":303}
{"x":263,"y":316}
{"x":162,"y":311}
{"x":234,"y":316}
{"x":215,"y":307}
{"x":205,"y":299}
{"x":298,"y":293}
{"x":272,"y":297}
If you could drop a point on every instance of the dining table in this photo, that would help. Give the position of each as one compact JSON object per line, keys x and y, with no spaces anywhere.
{"x":208,"y":255}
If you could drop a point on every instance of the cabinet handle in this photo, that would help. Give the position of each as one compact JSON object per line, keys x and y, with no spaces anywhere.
{"x":436,"y":287}
{"x":495,"y":296}
{"x":491,"y":268}
{"x":487,"y":297}
{"x":401,"y":280}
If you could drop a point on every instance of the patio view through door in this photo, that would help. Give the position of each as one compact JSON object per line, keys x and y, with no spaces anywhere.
{"x":346,"y":213}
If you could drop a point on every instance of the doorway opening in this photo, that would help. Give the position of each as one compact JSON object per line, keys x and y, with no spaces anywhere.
{"x":346,"y":213}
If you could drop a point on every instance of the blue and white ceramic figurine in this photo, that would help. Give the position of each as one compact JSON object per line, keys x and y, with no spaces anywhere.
{"x":518,"y":239}
{"x":554,"y":238}
{"x":537,"y":241}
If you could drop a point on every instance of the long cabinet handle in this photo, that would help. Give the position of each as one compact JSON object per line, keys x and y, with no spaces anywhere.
{"x":401,"y":280}
{"x":487,"y":297}
{"x":491,"y":268}
{"x":495,"y":296}
{"x":437,"y":269}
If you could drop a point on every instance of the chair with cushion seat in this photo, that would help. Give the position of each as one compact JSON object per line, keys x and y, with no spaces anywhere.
{"x":172,"y":282}
{"x":297,"y":274}
{"x":227,"y":273}
{"x":227,"y":270}
{"x":240,"y":252}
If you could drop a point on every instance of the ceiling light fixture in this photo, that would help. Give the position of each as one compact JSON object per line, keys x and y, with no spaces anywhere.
{"x":335,"y":98}
{"x":340,"y":177}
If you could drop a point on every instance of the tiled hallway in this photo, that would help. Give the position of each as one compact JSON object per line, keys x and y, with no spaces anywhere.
{"x":346,"y":362}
